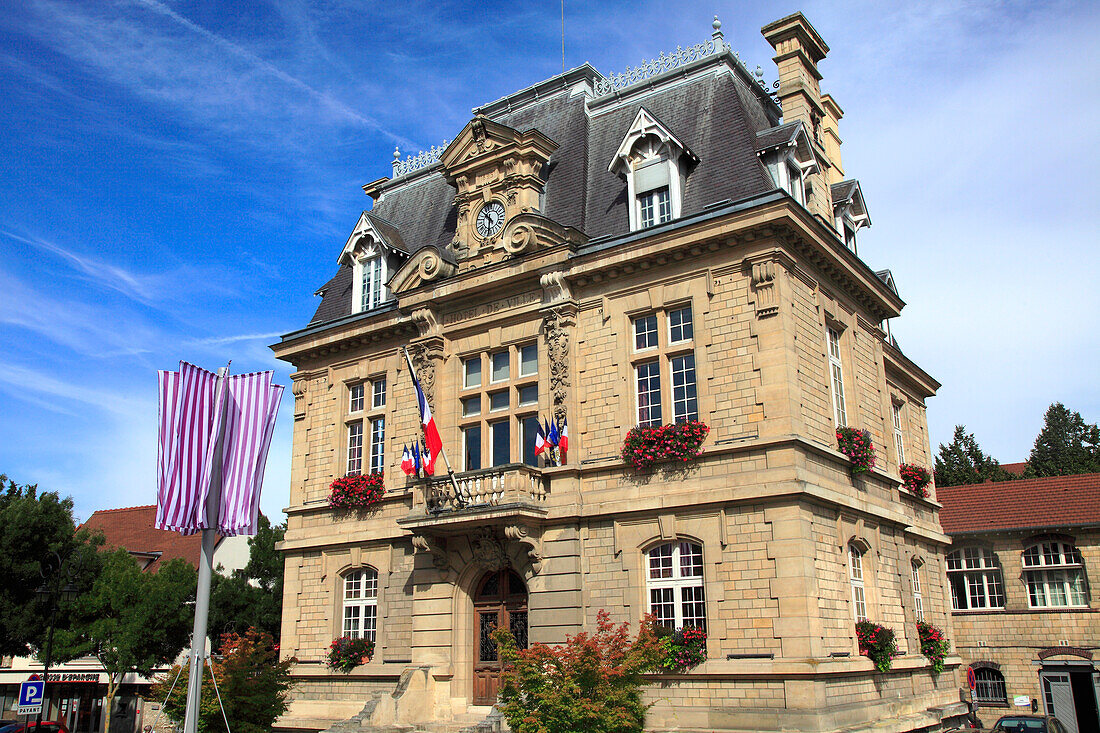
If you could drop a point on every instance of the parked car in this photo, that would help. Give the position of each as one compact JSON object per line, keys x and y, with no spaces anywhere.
{"x":1025,"y":724}
{"x":48,"y":726}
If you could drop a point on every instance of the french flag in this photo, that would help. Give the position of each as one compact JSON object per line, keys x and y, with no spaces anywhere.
{"x":563,"y":438}
{"x":433,"y":444}
{"x":407,"y":461}
{"x":540,"y":439}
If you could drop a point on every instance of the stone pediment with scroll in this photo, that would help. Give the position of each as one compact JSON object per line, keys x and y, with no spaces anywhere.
{"x":426,"y":265}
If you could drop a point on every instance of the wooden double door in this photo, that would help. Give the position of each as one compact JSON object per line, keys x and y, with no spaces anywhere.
{"x":500,"y":602}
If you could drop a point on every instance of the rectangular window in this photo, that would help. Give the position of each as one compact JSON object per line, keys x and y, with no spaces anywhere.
{"x":918,"y":599}
{"x":662,"y":604}
{"x":899,"y":440}
{"x":378,"y":445}
{"x":529,"y":395}
{"x":355,"y":447}
{"x":372,"y":289}
{"x":498,"y":401}
{"x":355,"y":398}
{"x":684,"y":403}
{"x":656,"y":207}
{"x":471,"y":406}
{"x":649,"y":394}
{"x":855,"y":571}
{"x":500,"y":367}
{"x":471,"y":372}
{"x":679,"y":326}
{"x":471,"y":448}
{"x":645,"y":333}
{"x":836,"y":371}
{"x":529,"y":360}
{"x":378,"y":389}
{"x":530,"y":425}
{"x":502,"y":443}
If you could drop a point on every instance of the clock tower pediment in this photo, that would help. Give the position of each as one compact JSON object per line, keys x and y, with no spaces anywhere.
{"x":498,"y":174}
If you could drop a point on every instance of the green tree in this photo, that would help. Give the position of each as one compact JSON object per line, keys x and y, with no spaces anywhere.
{"x":1066,"y":445}
{"x":251,"y":597}
{"x":132,"y":621}
{"x":591,"y":684}
{"x":962,"y":462}
{"x":251,"y":679}
{"x":33,"y":527}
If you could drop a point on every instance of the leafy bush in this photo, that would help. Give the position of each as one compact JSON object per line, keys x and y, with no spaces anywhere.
{"x":681,"y":649}
{"x":251,"y":679}
{"x":592,"y":683}
{"x":915,"y":478}
{"x":933,"y":644}
{"x":877,"y":642}
{"x":345,"y":653}
{"x":357,"y":491}
{"x":856,"y":444}
{"x":645,"y":447}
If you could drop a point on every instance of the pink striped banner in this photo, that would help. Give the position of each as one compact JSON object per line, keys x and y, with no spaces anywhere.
{"x":193,"y":404}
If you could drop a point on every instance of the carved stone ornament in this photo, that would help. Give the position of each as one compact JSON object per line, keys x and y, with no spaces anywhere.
{"x":555,"y":287}
{"x":555,"y":328}
{"x":437,"y":548}
{"x":764,"y":285}
{"x":425,"y":356}
{"x":426,"y":322}
{"x":299,"y":388}
{"x":529,"y":231}
{"x":488,"y":551}
{"x":519,"y":534}
{"x":425,"y":266}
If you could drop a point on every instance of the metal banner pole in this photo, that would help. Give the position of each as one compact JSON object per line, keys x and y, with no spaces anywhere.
{"x":206,"y":571}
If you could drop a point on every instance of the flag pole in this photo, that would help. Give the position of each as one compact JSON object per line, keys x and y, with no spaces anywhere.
{"x":442,"y":447}
{"x":206,"y":569}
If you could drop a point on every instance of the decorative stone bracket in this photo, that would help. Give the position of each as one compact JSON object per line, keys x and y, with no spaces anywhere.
{"x":765,"y":286}
{"x":437,"y":548}
{"x":529,"y":231}
{"x":299,"y":388}
{"x":521,"y":535}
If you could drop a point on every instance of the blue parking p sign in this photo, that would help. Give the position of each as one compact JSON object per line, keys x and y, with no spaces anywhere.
{"x":30,"y":697}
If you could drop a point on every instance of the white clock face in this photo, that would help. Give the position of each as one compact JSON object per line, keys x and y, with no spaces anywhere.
{"x":490,"y":219}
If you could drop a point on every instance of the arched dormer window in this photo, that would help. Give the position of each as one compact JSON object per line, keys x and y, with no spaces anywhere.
{"x":371,"y":255}
{"x":974,"y":575}
{"x":1055,"y":575}
{"x":654,"y":164}
{"x":360,"y":604}
{"x":674,"y":579}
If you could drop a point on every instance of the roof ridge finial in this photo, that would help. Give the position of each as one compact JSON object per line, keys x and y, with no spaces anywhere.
{"x":719,"y":41}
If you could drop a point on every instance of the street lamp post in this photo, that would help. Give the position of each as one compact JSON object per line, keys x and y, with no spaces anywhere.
{"x":64,"y":573}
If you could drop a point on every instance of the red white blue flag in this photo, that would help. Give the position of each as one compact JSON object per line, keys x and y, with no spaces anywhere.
{"x":540,"y":439}
{"x":432,"y":442}
{"x":563,"y":437}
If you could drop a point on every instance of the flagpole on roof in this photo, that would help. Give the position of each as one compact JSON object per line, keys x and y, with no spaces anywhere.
{"x":206,"y":567}
{"x":442,"y":448}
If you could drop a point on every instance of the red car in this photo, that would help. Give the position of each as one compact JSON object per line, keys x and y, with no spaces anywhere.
{"x":48,"y":726}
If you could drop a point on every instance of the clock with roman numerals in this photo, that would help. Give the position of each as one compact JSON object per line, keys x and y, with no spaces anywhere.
{"x":490,"y":219}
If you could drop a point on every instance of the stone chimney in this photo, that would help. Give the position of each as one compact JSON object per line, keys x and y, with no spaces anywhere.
{"x":831,"y":137}
{"x":798,"y":49}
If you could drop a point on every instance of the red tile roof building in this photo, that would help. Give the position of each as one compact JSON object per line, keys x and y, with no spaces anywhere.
{"x":1057,"y":501}
{"x":132,"y":528}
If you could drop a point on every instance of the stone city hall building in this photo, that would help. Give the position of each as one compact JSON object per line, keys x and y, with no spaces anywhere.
{"x":674,"y":243}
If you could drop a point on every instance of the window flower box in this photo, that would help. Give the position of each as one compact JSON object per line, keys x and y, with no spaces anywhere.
{"x":345,"y":653}
{"x":915,"y":478}
{"x":681,"y":649}
{"x":856,"y":444}
{"x":646,"y":447}
{"x":356,"y":491}
{"x":877,"y":642}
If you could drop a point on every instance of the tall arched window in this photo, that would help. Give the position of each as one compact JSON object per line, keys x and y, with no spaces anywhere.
{"x":1055,"y":575}
{"x":361,"y":604}
{"x":989,"y":687}
{"x":675,"y":584}
{"x":918,"y":597}
{"x":975,"y":579}
{"x":855,"y":575}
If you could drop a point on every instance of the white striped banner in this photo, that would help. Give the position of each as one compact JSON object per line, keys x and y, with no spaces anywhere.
{"x":192,"y":402}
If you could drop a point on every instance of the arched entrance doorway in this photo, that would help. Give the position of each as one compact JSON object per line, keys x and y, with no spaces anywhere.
{"x":500,"y":602}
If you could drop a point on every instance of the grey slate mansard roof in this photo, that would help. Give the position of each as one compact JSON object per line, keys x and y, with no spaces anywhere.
{"x":714,"y":111}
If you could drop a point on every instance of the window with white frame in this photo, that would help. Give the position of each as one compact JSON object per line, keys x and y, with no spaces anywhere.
{"x":974,"y":576}
{"x":793,"y":182}
{"x":361,"y":604}
{"x":669,"y":333}
{"x":378,"y":393}
{"x":918,"y":597}
{"x":355,"y":447}
{"x":1055,"y":575}
{"x":899,"y":436}
{"x":836,"y":375}
{"x":855,"y":575}
{"x":378,"y":445}
{"x":654,"y":164}
{"x":674,"y":580}
{"x":355,"y":398}
{"x":989,"y":686}
{"x":655,"y":207}
{"x":369,"y":284}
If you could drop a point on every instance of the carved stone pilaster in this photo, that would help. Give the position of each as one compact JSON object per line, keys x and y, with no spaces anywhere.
{"x":764,"y":275}
{"x":556,"y":327}
{"x":520,"y":534}
{"x":426,"y":355}
{"x":437,"y":548}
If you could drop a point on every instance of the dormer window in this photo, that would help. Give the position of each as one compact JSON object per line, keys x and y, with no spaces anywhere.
{"x":787,"y":154}
{"x":849,"y":212}
{"x":794,"y":185}
{"x":654,"y":164}
{"x":372,"y":257}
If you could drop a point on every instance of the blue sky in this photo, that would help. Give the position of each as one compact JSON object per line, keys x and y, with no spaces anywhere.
{"x":179,"y":180}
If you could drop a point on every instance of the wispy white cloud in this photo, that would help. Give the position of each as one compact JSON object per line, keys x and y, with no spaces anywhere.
{"x":23,"y":380}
